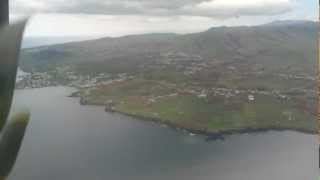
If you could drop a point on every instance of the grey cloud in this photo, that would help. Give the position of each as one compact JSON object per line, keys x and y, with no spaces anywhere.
{"x":146,"y":7}
{"x":259,"y":10}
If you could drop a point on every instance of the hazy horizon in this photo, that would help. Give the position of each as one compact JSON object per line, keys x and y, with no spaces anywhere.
{"x":36,"y":41}
{"x":92,"y":18}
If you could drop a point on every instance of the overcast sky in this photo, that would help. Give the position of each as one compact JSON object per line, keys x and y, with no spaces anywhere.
{"x":96,"y":18}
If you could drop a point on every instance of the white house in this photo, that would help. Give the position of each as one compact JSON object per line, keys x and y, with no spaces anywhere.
{"x":251,"y":97}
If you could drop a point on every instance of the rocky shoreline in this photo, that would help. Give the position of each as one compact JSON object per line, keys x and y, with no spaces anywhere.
{"x":219,"y":135}
{"x":212,"y":135}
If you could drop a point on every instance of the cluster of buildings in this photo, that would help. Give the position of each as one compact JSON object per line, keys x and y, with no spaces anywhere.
{"x":46,"y":79}
{"x":298,"y":77}
{"x":182,"y":62}
{"x":34,"y":80}
{"x":87,"y":81}
{"x":229,"y":93}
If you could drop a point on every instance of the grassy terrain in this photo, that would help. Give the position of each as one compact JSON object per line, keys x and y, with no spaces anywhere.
{"x":168,"y":103}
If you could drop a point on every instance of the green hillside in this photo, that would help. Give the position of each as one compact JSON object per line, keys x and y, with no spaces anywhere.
{"x":275,"y":45}
{"x":226,"y":78}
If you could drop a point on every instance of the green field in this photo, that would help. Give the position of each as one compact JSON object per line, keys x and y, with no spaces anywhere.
{"x":170,"y":104}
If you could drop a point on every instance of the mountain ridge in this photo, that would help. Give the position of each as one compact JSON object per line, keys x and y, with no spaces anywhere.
{"x":273,"y":45}
{"x":279,"y":23}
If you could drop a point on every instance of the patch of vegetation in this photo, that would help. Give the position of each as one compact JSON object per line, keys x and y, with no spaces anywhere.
{"x":168,"y":103}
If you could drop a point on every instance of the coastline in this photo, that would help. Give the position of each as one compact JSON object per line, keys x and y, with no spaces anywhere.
{"x":218,"y":135}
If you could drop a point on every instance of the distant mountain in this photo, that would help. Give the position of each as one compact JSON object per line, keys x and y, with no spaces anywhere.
{"x":291,"y":23}
{"x":276,"y":46}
